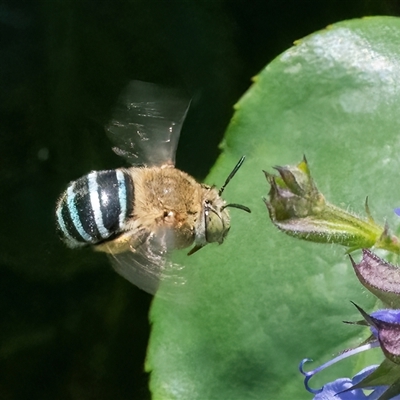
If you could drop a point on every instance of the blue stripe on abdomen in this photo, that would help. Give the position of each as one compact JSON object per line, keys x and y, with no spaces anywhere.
{"x":95,"y":207}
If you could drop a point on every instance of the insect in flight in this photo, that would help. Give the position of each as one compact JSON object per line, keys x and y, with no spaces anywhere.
{"x":139,"y":215}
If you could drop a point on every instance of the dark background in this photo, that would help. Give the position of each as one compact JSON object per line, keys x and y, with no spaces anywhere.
{"x":71,"y":328}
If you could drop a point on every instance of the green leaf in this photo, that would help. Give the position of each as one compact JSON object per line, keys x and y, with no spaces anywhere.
{"x":255,"y":306}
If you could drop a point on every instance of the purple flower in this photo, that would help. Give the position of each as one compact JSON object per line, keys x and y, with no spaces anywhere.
{"x":386,"y":315}
{"x":384,"y":326}
{"x":341,"y":388}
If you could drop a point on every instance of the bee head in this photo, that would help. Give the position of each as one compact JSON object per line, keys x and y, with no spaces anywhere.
{"x":215,"y":218}
{"x":216,"y":221}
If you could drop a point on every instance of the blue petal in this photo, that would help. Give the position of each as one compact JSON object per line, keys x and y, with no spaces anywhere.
{"x":386,"y":315}
{"x":363,"y":374}
{"x":333,"y":391}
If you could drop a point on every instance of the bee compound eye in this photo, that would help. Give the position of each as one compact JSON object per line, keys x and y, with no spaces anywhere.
{"x":214,"y":227}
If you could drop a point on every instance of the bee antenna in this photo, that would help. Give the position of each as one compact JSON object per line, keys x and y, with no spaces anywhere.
{"x":231,"y":175}
{"x":239,"y":206}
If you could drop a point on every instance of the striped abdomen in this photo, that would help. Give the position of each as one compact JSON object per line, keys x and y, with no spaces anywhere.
{"x":95,"y":207}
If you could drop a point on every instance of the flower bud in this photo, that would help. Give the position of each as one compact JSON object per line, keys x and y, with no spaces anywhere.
{"x":299,"y":209}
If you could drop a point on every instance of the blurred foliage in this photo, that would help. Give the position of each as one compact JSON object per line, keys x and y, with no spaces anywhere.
{"x":72,"y":328}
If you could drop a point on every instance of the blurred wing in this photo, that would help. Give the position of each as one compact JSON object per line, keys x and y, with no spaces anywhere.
{"x":146,"y":124}
{"x":150,"y":263}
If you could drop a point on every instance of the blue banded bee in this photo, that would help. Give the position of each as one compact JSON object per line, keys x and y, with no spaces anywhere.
{"x":138,"y":215}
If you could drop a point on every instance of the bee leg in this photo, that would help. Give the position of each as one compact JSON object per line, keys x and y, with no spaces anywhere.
{"x":195,"y":248}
